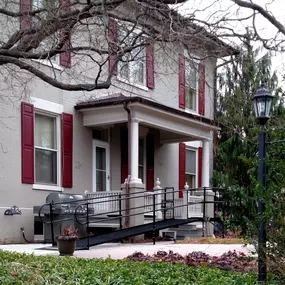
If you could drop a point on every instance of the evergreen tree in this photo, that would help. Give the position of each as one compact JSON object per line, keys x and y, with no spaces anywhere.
{"x":235,"y":161}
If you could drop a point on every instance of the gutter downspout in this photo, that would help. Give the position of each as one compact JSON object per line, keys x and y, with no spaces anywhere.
{"x":215,"y":92}
{"x":127,"y":199}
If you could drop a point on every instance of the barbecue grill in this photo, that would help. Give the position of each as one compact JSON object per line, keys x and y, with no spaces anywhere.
{"x":63,"y":210}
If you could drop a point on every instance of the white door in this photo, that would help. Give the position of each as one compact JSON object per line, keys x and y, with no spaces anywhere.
{"x":101,"y":166}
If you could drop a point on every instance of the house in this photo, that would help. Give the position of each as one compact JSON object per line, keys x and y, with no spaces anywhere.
{"x":155,"y":121}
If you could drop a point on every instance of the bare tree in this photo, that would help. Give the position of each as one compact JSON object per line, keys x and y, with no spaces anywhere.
{"x":43,"y":30}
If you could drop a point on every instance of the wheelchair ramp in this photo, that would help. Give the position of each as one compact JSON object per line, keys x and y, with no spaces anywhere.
{"x":85,"y":243}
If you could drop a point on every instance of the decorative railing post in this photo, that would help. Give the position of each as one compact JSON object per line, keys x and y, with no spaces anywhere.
{"x":185,"y":211}
{"x":157,"y":192}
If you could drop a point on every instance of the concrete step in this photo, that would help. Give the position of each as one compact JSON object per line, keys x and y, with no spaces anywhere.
{"x":187,"y":227}
{"x":193,"y":235}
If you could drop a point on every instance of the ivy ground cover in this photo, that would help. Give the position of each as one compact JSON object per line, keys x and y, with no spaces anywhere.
{"x":19,"y":269}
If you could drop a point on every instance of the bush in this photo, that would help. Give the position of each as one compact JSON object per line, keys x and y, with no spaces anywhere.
{"x":28,"y":269}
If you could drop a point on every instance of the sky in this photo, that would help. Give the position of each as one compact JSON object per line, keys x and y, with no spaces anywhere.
{"x":211,"y":10}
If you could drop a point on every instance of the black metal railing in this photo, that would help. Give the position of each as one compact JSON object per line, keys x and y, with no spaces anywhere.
{"x":166,"y":204}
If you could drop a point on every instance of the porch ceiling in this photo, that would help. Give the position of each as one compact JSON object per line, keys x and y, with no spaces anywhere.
{"x":174,"y":125}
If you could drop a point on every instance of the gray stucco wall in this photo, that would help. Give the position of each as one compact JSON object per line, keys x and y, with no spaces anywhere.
{"x":13,"y":192}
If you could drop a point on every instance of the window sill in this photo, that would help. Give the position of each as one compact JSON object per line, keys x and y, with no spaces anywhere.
{"x":190,"y":111}
{"x":47,"y":187}
{"x":139,"y":86}
{"x":48,"y":63}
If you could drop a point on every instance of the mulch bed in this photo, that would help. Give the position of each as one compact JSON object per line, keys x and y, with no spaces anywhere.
{"x":231,"y":260}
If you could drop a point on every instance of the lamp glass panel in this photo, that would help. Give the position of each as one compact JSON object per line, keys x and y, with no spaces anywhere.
{"x":260,"y":102}
{"x":268,"y":106}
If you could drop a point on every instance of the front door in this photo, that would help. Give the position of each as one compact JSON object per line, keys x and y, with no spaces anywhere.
{"x":101,"y":166}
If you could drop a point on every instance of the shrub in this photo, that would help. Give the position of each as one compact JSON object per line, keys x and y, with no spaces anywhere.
{"x":28,"y":269}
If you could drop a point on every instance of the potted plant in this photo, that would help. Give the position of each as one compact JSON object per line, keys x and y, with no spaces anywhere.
{"x":66,"y":242}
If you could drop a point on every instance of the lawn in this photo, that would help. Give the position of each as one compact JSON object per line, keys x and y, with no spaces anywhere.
{"x":207,"y":240}
{"x":28,"y":269}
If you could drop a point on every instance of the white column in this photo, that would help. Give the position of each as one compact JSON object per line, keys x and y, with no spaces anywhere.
{"x":135,"y":151}
{"x":206,"y":164}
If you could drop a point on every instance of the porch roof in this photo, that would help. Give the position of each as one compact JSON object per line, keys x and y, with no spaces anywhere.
{"x":120,"y":99}
{"x":110,"y":110}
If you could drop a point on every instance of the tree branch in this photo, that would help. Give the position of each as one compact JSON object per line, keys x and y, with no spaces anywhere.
{"x":263,"y":12}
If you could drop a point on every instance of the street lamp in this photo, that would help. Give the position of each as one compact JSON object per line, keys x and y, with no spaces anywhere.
{"x":262,"y":104}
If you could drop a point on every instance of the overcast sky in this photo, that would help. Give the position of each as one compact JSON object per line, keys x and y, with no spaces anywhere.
{"x":211,"y":10}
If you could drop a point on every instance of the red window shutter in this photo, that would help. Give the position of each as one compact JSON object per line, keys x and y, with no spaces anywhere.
{"x":65,"y":57}
{"x":150,"y":66}
{"x":67,"y":150}
{"x":28,"y":149}
{"x":201,"y":89}
{"x":124,"y":155}
{"x":25,"y":20}
{"x":182,"y":168}
{"x":112,"y":37}
{"x":181,"y":82}
{"x":200,"y":166}
{"x":149,"y":161}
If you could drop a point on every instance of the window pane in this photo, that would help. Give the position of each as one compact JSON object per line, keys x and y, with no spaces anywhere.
{"x":137,"y":72}
{"x":45,"y":131}
{"x":141,"y":158}
{"x":141,"y":151}
{"x":141,"y":172}
{"x":123,"y":69}
{"x":44,"y":4}
{"x":191,"y":74}
{"x":191,"y":161}
{"x":100,"y":180}
{"x":190,"y":179}
{"x":100,"y":158}
{"x":191,"y":97}
{"x":46,"y":166}
{"x":102,"y":135}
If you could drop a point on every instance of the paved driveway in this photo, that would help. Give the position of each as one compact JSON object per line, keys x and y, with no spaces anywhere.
{"x":119,"y":251}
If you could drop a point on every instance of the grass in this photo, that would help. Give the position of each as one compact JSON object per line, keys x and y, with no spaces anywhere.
{"x":206,"y":240}
{"x":26,"y":269}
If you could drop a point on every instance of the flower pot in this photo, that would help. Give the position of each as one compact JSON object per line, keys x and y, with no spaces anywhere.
{"x":66,"y":247}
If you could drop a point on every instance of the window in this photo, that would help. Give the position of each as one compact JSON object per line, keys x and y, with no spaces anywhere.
{"x":132,"y":66}
{"x":44,"y":4}
{"x":52,"y":41}
{"x":141,"y":159}
{"x":133,"y":70}
{"x":102,"y":135}
{"x":46,"y":150}
{"x":191,"y":168}
{"x":101,"y":169}
{"x":191,"y":84}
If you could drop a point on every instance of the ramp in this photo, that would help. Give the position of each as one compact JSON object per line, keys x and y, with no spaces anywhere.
{"x":86,"y":242}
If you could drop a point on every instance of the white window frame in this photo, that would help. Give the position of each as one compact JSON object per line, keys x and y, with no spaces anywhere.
{"x":196,"y":164}
{"x":130,"y":64}
{"x":106,"y":145}
{"x":47,"y":108}
{"x":196,"y":62}
{"x":53,"y":62}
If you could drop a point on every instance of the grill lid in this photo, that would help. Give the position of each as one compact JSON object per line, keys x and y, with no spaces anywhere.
{"x":59,"y":198}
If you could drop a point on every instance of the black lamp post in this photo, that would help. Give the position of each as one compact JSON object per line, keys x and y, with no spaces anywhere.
{"x":262,"y":104}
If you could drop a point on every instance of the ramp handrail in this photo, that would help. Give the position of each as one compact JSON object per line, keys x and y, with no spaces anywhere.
{"x":167,"y":204}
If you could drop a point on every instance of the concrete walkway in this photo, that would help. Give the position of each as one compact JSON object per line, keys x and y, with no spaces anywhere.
{"x":119,"y":251}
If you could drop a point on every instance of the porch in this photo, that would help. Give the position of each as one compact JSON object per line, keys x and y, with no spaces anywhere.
{"x":142,"y":143}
